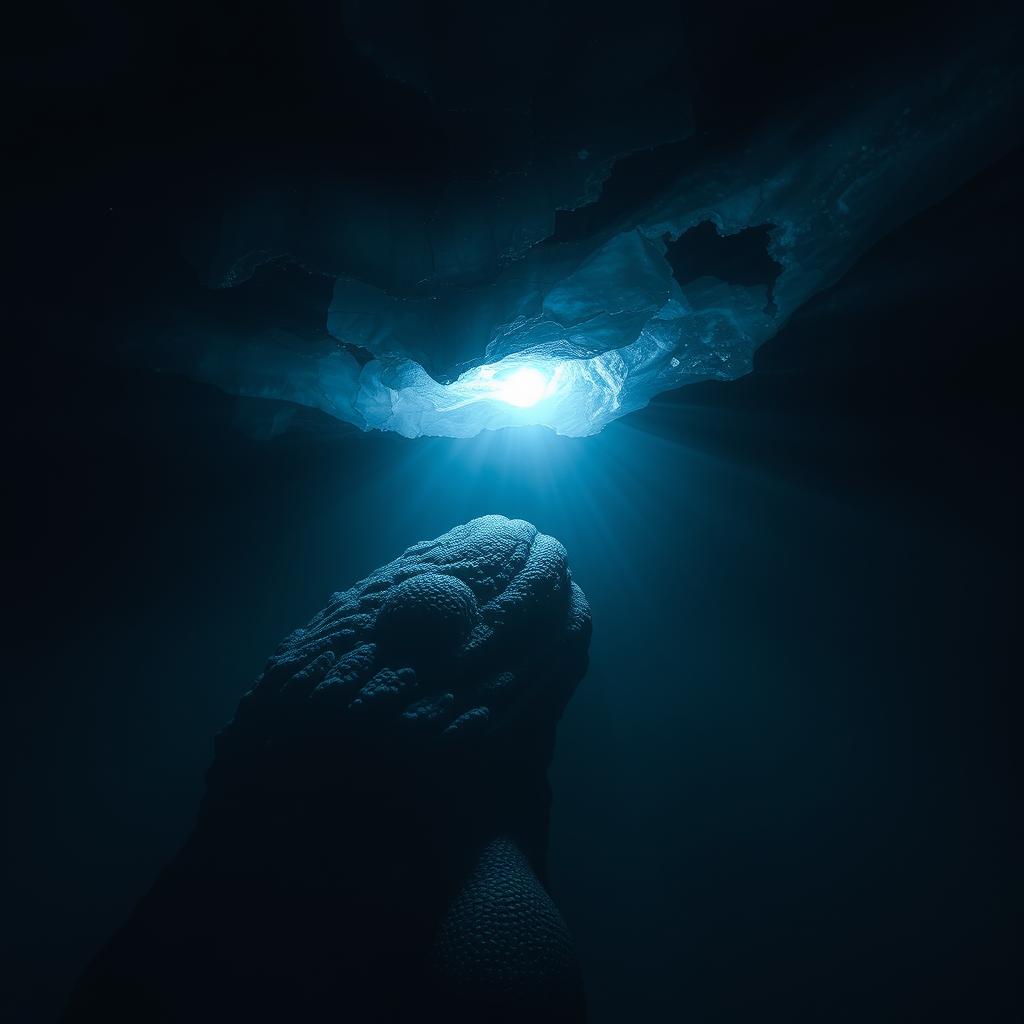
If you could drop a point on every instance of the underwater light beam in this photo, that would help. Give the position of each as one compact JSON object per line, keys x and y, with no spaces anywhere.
{"x":522,"y":388}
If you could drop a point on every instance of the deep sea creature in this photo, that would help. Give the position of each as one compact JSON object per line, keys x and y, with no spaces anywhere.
{"x":371,"y":844}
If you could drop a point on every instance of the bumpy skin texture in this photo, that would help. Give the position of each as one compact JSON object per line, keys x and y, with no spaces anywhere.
{"x":502,"y":936}
{"x":371,"y":846}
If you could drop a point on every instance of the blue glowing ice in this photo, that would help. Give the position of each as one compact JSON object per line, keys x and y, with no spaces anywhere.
{"x":574,"y":335}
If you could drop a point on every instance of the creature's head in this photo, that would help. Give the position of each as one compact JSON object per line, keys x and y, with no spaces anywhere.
{"x":465,"y":648}
{"x":376,"y":816}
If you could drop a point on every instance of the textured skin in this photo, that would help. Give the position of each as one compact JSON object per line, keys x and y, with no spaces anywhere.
{"x":451,"y":639}
{"x":502,"y":943}
{"x":372,"y":841}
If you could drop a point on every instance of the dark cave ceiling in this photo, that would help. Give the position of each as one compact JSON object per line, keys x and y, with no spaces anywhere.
{"x":437,"y":219}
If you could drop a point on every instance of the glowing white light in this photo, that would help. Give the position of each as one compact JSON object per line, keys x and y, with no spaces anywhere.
{"x":516,"y":385}
{"x":522,"y":388}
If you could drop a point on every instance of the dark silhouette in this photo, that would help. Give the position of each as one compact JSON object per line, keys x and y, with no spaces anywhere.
{"x":371,"y":846}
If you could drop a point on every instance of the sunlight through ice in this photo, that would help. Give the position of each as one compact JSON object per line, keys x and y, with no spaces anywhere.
{"x":523,"y":388}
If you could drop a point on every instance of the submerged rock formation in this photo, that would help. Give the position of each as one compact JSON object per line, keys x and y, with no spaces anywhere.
{"x":371,"y":845}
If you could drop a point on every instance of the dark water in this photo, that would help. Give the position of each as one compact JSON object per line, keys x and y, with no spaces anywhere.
{"x":784,"y":790}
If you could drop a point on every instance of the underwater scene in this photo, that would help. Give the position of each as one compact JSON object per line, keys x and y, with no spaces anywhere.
{"x":516,"y":513}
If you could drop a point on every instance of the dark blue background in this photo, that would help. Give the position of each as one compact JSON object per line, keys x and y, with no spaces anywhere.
{"x":785,"y":790}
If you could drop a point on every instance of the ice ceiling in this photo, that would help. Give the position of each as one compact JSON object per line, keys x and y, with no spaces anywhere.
{"x":467,"y":305}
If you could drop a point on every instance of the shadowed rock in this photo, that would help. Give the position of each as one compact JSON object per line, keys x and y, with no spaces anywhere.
{"x":371,"y":845}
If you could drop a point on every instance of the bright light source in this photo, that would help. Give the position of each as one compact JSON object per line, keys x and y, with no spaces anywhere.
{"x":522,"y":388}
{"x":518,"y":385}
